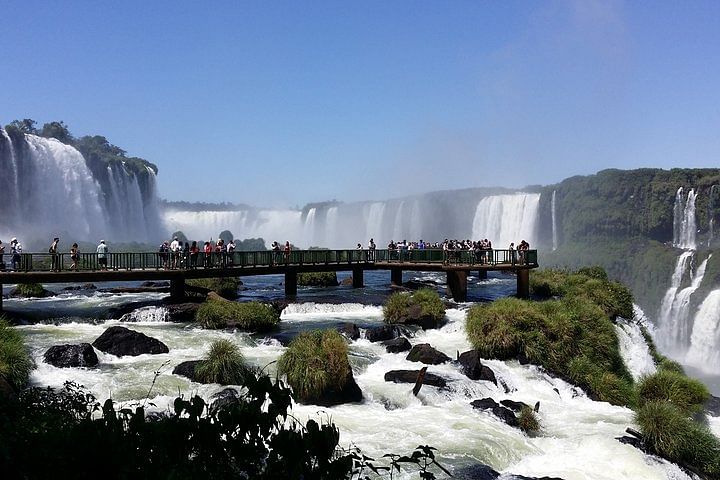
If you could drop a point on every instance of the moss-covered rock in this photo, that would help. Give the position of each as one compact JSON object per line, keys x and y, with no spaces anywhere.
{"x":424,"y":308}
{"x":253,"y":316}
{"x":317,"y":279}
{"x":226,"y":287}
{"x":30,"y":290}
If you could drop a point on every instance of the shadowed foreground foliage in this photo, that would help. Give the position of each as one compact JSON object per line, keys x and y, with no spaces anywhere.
{"x":15,"y":361}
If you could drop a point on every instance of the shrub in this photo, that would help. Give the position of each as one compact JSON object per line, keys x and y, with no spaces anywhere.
{"x":528,"y":421}
{"x":30,"y":290}
{"x":318,"y":279}
{"x":675,"y":436}
{"x":224,"y":364}
{"x":253,"y":316}
{"x":314,"y":363}
{"x":226,"y":287}
{"x":498,"y":329}
{"x":595,"y":271}
{"x":547,"y":282}
{"x":685,"y":393}
{"x":15,"y":362}
{"x":423,"y":307}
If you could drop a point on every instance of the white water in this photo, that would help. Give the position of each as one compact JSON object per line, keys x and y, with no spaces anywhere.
{"x":147,"y":315}
{"x":703,"y":352}
{"x":506,"y":218}
{"x":299,"y":311}
{"x":634,"y":349}
{"x":554,"y":222}
{"x":684,"y":223}
{"x":578,"y":439}
{"x":711,"y":215}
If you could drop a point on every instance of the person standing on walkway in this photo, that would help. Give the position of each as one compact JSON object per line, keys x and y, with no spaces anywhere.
{"x":74,"y":256}
{"x":287,"y":251}
{"x":102,"y":252}
{"x":175,"y":252}
{"x":16,"y":251}
{"x":53,"y":251}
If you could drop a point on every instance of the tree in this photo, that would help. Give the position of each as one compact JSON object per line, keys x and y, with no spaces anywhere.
{"x":26,"y":125}
{"x":180,"y":236}
{"x":57,"y":130}
{"x":226,"y":236}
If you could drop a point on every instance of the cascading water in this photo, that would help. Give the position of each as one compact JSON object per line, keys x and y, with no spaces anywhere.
{"x":711,"y":215}
{"x":554,"y":222}
{"x":374,"y":220}
{"x":703,"y":352}
{"x":506,"y":218}
{"x":684,"y":223}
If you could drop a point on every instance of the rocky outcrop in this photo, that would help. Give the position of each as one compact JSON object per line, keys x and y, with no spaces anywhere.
{"x":349,"y":393}
{"x":426,"y":354}
{"x":503,"y":413}
{"x":187,"y":369}
{"x":349,"y":331}
{"x":182,"y":312}
{"x":381,"y":333}
{"x":71,"y":356}
{"x":411,"y":376}
{"x":484,"y":472}
{"x":414,"y":316}
{"x":121,"y":341}
{"x":397,"y":345}
{"x":473,"y":368}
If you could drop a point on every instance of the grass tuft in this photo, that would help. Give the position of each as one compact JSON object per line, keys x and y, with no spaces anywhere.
{"x":226,"y":287}
{"x":15,"y":361}
{"x":317,"y":279}
{"x":403,"y":307}
{"x":528,"y":421}
{"x":685,"y":393}
{"x":224,"y":364}
{"x":252,"y":316}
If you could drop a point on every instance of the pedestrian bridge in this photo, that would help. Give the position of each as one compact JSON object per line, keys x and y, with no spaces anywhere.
{"x":132,"y":266}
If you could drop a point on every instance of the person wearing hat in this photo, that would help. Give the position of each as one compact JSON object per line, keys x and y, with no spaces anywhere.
{"x":16,"y":251}
{"x":102,"y":251}
{"x":53,"y":250}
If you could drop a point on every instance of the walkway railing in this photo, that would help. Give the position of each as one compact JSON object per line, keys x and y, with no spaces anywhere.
{"x":46,"y":262}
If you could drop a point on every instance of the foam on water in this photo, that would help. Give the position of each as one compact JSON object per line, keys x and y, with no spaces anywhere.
{"x":300,"y":311}
{"x":634,"y":349}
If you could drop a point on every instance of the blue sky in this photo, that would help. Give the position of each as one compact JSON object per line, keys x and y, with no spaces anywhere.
{"x":284,"y":103}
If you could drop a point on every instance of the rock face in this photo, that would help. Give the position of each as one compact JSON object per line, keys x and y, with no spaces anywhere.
{"x":65,"y":356}
{"x":503,"y":413}
{"x":397,"y":345}
{"x":381,"y":333}
{"x":474,"y":369}
{"x":122,"y":341}
{"x":349,"y":330}
{"x":187,"y":369}
{"x":426,"y":354}
{"x":410,"y":376}
{"x":349,"y":393}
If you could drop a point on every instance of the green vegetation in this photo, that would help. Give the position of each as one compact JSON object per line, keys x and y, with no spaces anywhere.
{"x":318,"y":279}
{"x":687,"y":394}
{"x":674,"y":435}
{"x":252,"y":316}
{"x":15,"y":361}
{"x":226,"y":287}
{"x":528,"y":421}
{"x":30,"y":290}
{"x":314,"y":363}
{"x":224,"y":364}
{"x":425,"y":303}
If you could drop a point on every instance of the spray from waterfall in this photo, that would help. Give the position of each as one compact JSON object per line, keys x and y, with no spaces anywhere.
{"x":554,"y":222}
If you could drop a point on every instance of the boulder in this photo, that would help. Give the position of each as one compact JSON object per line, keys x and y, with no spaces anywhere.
{"x":515,"y":406}
{"x":503,"y":413}
{"x":349,"y":330}
{"x":122,"y":341}
{"x":381,"y":333}
{"x":36,"y":292}
{"x":222,"y":399}
{"x":426,"y":354}
{"x":397,"y":345}
{"x":349,"y":393}
{"x":65,"y":356}
{"x":474,"y":369}
{"x":187,"y":369}
{"x":414,"y":316}
{"x":347,"y":281}
{"x":155,"y":284}
{"x":712,"y":406}
{"x":182,"y":312}
{"x":410,"y":376}
{"x":476,"y":472}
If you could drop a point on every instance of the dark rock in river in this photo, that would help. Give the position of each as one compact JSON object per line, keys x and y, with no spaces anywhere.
{"x":410,"y":376}
{"x":476,"y":472}
{"x":426,"y":354}
{"x":187,"y":369}
{"x":503,"y":413}
{"x":397,"y":345}
{"x":349,"y":393}
{"x":122,"y":341}
{"x":381,"y":333}
{"x":712,"y":406}
{"x":66,"y":356}
{"x":349,"y":330}
{"x":155,"y":284}
{"x":347,"y":281}
{"x":513,"y":405}
{"x":87,"y":286}
{"x":414,"y":316}
{"x":182,"y":312}
{"x":223,"y":399}
{"x":474,"y":369}
{"x":39,"y":292}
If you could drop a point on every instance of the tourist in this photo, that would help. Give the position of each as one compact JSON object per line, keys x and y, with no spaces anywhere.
{"x":102,"y":252}
{"x":194,"y":251}
{"x":219,"y":252}
{"x":371,"y":250}
{"x":230,"y":249}
{"x":185,"y":257}
{"x":2,"y":254}
{"x":74,"y":256}
{"x":16,"y":252}
{"x":175,"y":249}
{"x":163,"y":253}
{"x":512,"y":252}
{"x":288,"y":248}
{"x":55,"y":259}
{"x":275,"y":253}
{"x":207,"y":250}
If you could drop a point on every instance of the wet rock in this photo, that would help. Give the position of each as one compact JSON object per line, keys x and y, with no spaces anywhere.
{"x":38,"y":292}
{"x":347,"y":281}
{"x":474,"y":369}
{"x":349,"y":330}
{"x":87,"y":286}
{"x":349,"y":393}
{"x":122,"y":341}
{"x":513,"y":405}
{"x":155,"y":284}
{"x":476,"y":472}
{"x":397,"y":345}
{"x":182,"y":312}
{"x":410,"y":376}
{"x":381,"y":333}
{"x":67,"y":356}
{"x":426,"y":354}
{"x":503,"y":413}
{"x":187,"y":369}
{"x":712,"y":406}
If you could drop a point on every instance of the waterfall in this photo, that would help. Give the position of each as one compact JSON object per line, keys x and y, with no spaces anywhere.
{"x":373,"y":223}
{"x":331,"y":226}
{"x":703,"y":352}
{"x":554,"y":222}
{"x":684,"y":224}
{"x":711,"y":216}
{"x":634,"y":349}
{"x":399,"y":233}
{"x":506,"y":218}
{"x":308,"y":237}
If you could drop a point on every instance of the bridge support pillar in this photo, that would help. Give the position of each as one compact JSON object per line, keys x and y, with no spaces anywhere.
{"x":457,"y":285}
{"x":177,"y":288}
{"x":290,"y":283}
{"x":358,"y":276}
{"x":396,"y":276}
{"x":482,"y":274}
{"x":523,"y":283}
